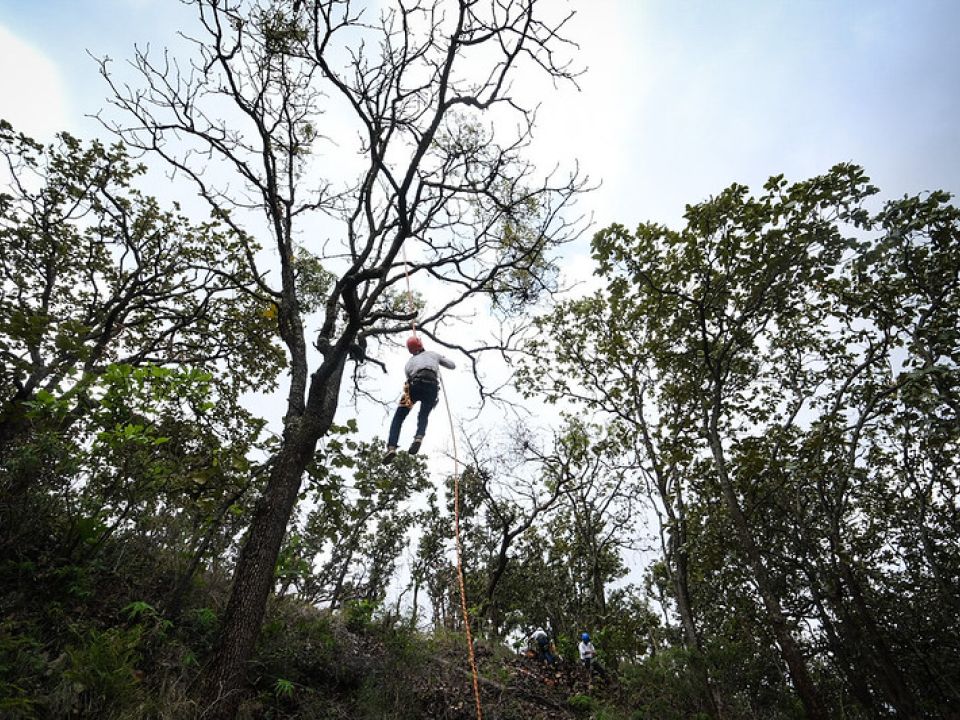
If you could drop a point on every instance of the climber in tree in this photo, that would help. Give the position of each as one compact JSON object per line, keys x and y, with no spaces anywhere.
{"x":422,"y":386}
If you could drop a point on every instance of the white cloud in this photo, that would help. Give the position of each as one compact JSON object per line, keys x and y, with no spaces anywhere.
{"x":32,"y":93}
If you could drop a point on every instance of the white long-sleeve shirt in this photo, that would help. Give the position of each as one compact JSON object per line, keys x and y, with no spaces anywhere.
{"x":586,"y":650}
{"x":427,"y":360}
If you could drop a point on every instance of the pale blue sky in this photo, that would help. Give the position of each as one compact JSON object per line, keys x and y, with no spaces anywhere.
{"x":683,"y":96}
{"x":748,"y":89}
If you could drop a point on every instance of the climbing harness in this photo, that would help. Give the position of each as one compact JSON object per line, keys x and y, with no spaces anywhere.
{"x":456,"y":505}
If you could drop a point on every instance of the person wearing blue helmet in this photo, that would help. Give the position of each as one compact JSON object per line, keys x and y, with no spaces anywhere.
{"x":587,"y":651}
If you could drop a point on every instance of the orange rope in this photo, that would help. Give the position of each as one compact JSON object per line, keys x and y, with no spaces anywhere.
{"x":459,"y":546}
{"x":456,"y":510}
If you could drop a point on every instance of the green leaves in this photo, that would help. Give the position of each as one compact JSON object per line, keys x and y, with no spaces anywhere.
{"x":314,"y":281}
{"x":102,"y":668}
{"x":95,"y":274}
{"x":283,"y":688}
{"x":794,"y":354}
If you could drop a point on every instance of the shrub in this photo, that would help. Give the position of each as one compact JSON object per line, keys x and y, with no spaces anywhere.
{"x":21,"y":664}
{"x":581,"y":703}
{"x":101,"y":673}
{"x":358,"y":615}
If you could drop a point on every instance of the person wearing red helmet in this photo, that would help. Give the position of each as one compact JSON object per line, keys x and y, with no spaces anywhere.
{"x":422,"y":386}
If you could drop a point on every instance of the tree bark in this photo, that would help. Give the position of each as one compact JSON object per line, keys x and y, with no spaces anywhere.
{"x":789,"y":651}
{"x":256,"y":567}
{"x":255,"y":573}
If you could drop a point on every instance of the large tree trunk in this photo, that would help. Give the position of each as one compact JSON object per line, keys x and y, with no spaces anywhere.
{"x":789,"y":651}
{"x":256,"y":567}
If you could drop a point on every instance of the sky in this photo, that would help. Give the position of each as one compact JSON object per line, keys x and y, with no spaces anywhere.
{"x":679,"y":98}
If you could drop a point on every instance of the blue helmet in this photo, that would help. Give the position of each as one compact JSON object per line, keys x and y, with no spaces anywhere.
{"x":585,"y":637}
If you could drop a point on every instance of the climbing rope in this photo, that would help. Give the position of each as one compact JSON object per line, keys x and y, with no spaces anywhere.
{"x":456,"y":508}
{"x":459,"y":546}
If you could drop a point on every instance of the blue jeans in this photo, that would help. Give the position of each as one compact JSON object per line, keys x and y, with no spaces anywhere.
{"x":423,"y":392}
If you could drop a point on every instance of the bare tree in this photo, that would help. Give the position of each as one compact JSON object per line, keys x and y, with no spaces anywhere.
{"x":438,"y":190}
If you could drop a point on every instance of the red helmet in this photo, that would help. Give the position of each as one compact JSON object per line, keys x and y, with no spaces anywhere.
{"x":414,"y":345}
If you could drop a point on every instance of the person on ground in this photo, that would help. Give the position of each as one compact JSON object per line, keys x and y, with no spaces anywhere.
{"x":422,"y":386}
{"x":587,"y":651}
{"x":540,"y":641}
{"x":588,"y":655}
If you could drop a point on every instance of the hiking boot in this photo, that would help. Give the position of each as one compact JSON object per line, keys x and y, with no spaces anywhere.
{"x":389,"y":455}
{"x":415,"y":447}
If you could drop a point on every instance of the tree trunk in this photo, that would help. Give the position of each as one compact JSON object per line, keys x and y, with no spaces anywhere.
{"x":894,"y":684}
{"x":256,"y":569}
{"x":681,"y":588}
{"x":415,"y":610}
{"x":490,"y":610}
{"x":336,"y":597}
{"x":845,"y":661}
{"x":789,"y":651}
{"x":654,"y":643}
{"x":255,"y":575}
{"x":675,"y":555}
{"x":597,"y":588}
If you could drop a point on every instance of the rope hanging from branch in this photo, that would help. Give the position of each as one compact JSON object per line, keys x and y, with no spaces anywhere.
{"x":456,"y":509}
